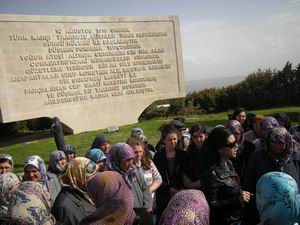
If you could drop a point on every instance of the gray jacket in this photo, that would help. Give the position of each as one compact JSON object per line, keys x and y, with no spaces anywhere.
{"x":141,"y":192}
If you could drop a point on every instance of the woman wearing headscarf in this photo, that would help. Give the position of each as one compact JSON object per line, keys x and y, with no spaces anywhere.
{"x":57,"y":164}
{"x":283,"y":120}
{"x":35,"y":170}
{"x":73,"y":203}
{"x":245,"y":148}
{"x":222,"y":184}
{"x":112,"y":198}
{"x":98,"y":157}
{"x":30,"y":205}
{"x":6,"y":163}
{"x":139,"y":133}
{"x":120,"y":159}
{"x":277,"y":199}
{"x":266,"y":125}
{"x":102,"y":142}
{"x":186,"y":207}
{"x":69,"y":151}
{"x":8,"y":183}
{"x":280,"y":153}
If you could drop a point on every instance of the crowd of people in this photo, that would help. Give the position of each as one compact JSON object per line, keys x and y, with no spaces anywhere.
{"x":244,"y":172}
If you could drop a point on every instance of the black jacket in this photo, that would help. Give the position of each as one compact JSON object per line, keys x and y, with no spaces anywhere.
{"x":222,"y":190}
{"x":169,"y":180}
{"x":70,"y":207}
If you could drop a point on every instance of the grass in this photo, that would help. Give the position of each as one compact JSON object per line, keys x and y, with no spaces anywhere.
{"x":83,"y":141}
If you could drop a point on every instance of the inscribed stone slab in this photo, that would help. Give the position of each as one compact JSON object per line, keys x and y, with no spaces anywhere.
{"x":91,"y":72}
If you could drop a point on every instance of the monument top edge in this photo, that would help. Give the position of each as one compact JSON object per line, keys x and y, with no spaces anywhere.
{"x":57,"y":18}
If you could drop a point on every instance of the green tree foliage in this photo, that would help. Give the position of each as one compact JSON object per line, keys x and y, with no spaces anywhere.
{"x":261,"y":89}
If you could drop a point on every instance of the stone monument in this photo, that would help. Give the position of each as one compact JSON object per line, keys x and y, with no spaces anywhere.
{"x":91,"y":72}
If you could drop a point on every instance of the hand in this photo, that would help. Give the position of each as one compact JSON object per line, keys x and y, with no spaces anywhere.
{"x":245,"y":196}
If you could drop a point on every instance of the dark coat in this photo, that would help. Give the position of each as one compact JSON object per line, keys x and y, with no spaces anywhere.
{"x":260,"y":163}
{"x":169,"y":180}
{"x":57,"y":130}
{"x":222,"y":190}
{"x":70,"y":207}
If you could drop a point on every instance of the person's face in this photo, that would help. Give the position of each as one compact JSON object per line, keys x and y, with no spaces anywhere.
{"x":241,"y":117}
{"x":105,"y":147}
{"x":230,"y":150}
{"x":101,"y":166}
{"x":237,"y":135}
{"x":69,"y":156}
{"x":62,"y":162}
{"x":198,"y":137}
{"x":5,"y":167}
{"x":126,"y":165}
{"x":138,"y":153}
{"x":278,"y":148}
{"x":31,"y":173}
{"x":171,"y":141}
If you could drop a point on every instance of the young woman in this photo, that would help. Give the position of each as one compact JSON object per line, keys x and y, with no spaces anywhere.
{"x":69,"y":151}
{"x":98,"y":157}
{"x":171,"y":163}
{"x":195,"y":155}
{"x":145,"y":165}
{"x":222,"y":184}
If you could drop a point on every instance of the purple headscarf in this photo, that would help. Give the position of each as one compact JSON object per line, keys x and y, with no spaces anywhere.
{"x":113,"y":199}
{"x":118,"y":153}
{"x":280,"y":135}
{"x":186,"y":207}
{"x":267,"y":124}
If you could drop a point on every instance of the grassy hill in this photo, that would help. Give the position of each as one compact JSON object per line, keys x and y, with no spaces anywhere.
{"x":83,"y":141}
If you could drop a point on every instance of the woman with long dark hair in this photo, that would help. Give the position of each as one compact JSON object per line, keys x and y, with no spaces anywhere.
{"x":222,"y":184}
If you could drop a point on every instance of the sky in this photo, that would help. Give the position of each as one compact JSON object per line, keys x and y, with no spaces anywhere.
{"x":220,"y":38}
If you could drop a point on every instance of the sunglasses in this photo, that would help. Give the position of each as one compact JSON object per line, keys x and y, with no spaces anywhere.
{"x":231,"y":144}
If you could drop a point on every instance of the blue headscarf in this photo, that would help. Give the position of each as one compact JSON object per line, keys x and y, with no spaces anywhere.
{"x":277,"y":199}
{"x":96,"y":155}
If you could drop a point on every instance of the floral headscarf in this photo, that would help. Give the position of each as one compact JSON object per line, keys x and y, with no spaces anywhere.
{"x":8,"y":182}
{"x":118,"y":153}
{"x":235,"y":127}
{"x":39,"y":163}
{"x":280,"y":135}
{"x":267,"y":124}
{"x":277,"y":199}
{"x":113,"y":199}
{"x":186,"y":207}
{"x":53,"y":165}
{"x":30,"y":205}
{"x":79,"y":170}
{"x":96,"y":155}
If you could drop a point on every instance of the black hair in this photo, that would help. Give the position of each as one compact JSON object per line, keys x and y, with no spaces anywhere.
{"x":216,"y":140}
{"x":198,"y":127}
{"x":6,"y":160}
{"x":167,"y":129}
{"x":237,"y":111}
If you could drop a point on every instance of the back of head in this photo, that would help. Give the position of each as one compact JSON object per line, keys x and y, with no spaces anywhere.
{"x":96,"y":155}
{"x":186,"y":207}
{"x":8,"y":182}
{"x":30,"y":204}
{"x":277,"y":199}
{"x":113,"y":199}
